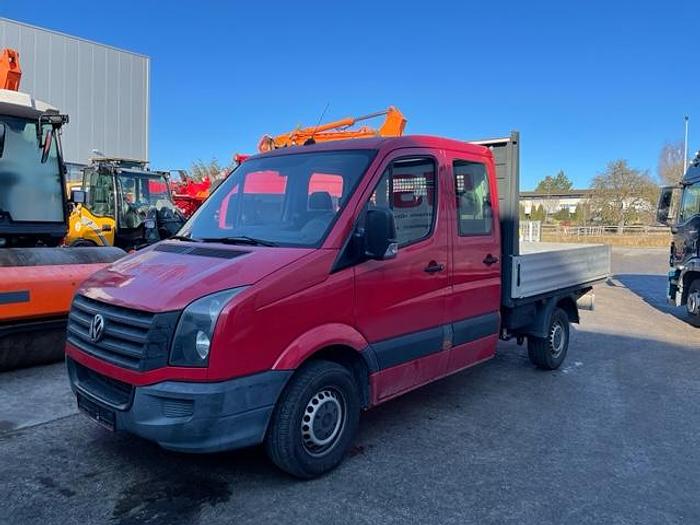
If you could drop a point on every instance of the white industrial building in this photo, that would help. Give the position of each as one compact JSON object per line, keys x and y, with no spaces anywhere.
{"x":104,"y":90}
{"x":553,"y":202}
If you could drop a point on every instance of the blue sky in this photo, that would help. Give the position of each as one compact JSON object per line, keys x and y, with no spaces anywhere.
{"x":584,"y":84}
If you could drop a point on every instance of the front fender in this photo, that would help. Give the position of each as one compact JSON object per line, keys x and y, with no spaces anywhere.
{"x":324,"y":336}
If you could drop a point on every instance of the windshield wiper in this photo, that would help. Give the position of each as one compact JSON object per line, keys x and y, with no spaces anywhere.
{"x":242,"y":239}
{"x":185,"y":238}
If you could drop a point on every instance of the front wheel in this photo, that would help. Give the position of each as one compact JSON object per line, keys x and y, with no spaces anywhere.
{"x":692,"y":304}
{"x":83,"y":243}
{"x":315,"y":420}
{"x":549,"y":352}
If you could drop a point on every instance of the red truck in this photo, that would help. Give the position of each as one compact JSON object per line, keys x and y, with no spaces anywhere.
{"x":281,"y":311}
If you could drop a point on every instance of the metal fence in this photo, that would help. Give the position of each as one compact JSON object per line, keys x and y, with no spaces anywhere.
{"x":599,"y":231}
{"x":530,"y":231}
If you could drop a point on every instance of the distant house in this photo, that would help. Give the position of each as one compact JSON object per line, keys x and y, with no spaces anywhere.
{"x":554,"y":201}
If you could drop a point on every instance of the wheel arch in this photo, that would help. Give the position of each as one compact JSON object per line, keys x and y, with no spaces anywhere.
{"x":540,"y":324}
{"x":568,"y":304}
{"x":689,"y":276}
{"x":339,"y":343}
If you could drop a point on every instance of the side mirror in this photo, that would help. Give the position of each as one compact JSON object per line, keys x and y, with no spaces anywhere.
{"x":77,"y":196}
{"x":663,"y":210}
{"x":46,"y":146}
{"x":380,"y":235}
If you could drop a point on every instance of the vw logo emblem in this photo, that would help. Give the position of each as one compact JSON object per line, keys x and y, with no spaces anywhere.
{"x":97,"y":328}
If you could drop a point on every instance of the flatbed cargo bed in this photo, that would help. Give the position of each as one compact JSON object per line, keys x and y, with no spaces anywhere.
{"x":544,"y":267}
{"x":537,"y":270}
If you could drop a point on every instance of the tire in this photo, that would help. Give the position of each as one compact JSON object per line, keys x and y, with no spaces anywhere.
{"x":325,"y":395}
{"x":549,"y":352}
{"x":693,"y":319}
{"x":83,"y":243}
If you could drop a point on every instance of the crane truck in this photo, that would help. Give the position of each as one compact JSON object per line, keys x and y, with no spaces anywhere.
{"x":684,"y":257}
{"x":37,"y":276}
{"x":189,"y":195}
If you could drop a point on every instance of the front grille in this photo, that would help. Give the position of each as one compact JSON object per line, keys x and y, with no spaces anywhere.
{"x":131,"y":338}
{"x":105,"y":389}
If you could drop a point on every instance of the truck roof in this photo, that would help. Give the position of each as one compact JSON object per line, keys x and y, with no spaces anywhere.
{"x":378,"y":143}
{"x":17,"y":104}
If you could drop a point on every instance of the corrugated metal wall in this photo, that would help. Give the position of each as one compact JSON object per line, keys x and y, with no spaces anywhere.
{"x":104,"y":90}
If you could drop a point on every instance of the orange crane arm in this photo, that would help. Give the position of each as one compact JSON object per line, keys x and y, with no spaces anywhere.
{"x":393,"y":126}
{"x":10,"y":70}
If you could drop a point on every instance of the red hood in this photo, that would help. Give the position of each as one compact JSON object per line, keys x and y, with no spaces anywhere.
{"x":160,"y":281}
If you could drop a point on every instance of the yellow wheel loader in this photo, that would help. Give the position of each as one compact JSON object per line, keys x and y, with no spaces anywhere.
{"x":126,"y":205}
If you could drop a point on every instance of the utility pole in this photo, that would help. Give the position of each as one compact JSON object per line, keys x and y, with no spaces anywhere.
{"x":685,"y":147}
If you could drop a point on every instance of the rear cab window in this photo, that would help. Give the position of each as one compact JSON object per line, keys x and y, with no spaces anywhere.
{"x":473,"y":198}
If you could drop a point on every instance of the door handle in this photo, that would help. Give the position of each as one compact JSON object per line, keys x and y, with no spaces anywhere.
{"x":490,"y":259}
{"x":434,"y":267}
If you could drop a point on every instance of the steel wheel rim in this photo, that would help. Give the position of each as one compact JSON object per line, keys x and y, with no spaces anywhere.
{"x":323,"y":421}
{"x":557,"y":339}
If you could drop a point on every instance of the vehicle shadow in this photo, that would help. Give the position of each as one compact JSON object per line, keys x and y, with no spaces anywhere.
{"x":652,"y":289}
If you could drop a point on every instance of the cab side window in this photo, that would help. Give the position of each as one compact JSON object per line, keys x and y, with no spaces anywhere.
{"x":407,"y":187}
{"x":474,"y":212}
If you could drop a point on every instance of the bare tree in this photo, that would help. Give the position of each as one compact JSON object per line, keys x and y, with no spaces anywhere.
{"x":201,"y":170}
{"x":671,"y":163}
{"x":211,"y":170}
{"x":623,"y":195}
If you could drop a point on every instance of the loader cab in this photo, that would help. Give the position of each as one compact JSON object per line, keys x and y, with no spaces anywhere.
{"x":32,"y":192}
{"x":126,"y":205}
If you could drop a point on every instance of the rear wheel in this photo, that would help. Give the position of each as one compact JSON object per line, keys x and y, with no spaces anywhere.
{"x":315,"y":420}
{"x":692,"y":304}
{"x":549,"y":352}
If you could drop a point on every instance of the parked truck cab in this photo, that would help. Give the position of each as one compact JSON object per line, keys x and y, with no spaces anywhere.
{"x":315,"y":282}
{"x":684,"y":258}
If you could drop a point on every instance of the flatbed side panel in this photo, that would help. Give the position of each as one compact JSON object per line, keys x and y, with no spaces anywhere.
{"x":543,"y":271}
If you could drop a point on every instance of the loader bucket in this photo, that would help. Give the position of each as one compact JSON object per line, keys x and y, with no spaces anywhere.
{"x":36,"y":289}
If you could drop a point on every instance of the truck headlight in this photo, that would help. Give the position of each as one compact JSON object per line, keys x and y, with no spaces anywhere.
{"x":195,"y":329}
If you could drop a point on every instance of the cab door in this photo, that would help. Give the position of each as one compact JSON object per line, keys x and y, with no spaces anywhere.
{"x":400,"y":303}
{"x":473,"y":307}
{"x":94,"y":221}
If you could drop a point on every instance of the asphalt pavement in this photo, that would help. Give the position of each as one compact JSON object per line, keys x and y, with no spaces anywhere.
{"x":611,"y":437}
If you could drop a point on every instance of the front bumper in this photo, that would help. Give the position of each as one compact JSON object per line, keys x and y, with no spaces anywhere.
{"x":186,"y":416}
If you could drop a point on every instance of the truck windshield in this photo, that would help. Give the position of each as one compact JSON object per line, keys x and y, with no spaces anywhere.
{"x":287,"y":200}
{"x":31,"y":190}
{"x":690,"y":202}
{"x":139,"y":193}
